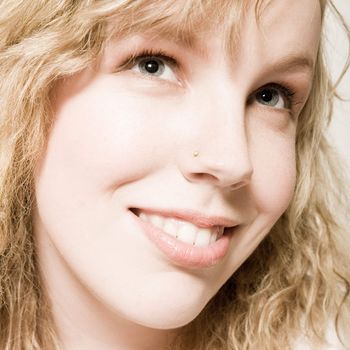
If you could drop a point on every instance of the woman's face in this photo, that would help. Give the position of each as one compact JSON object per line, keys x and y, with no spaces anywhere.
{"x":124,"y":136}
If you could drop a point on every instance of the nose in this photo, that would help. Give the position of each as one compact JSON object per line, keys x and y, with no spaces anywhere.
{"x":218,"y":150}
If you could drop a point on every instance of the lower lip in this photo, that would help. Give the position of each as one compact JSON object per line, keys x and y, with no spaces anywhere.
{"x":184,"y":254}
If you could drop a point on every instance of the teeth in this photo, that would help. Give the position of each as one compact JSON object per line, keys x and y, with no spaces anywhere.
{"x":144,"y":217}
{"x":169,"y":225}
{"x":220,"y":232}
{"x":157,"y":220}
{"x":213,"y":236}
{"x":203,"y":237}
{"x":184,"y":231}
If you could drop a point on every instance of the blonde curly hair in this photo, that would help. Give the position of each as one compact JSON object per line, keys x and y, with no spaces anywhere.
{"x":298,"y":277}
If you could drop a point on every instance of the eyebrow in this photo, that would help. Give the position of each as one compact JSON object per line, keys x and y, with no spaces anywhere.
{"x":185,"y":39}
{"x":293,"y":63}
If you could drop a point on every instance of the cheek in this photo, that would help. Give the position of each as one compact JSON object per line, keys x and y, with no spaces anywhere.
{"x":94,"y":141}
{"x":271,"y":190}
{"x":275,"y":179}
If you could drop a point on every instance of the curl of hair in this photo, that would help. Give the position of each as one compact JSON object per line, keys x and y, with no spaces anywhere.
{"x":295,"y":280}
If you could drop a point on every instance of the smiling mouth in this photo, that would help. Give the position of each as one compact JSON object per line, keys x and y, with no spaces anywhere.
{"x":183,"y":230}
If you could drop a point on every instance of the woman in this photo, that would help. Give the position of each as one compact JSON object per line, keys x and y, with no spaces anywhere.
{"x":165,"y":177}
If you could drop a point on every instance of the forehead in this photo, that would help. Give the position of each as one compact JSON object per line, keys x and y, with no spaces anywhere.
{"x":257,"y":33}
{"x":268,"y":28}
{"x":289,"y":25}
{"x":285,"y":32}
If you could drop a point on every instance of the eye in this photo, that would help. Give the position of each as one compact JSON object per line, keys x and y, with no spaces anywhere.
{"x":159,"y":66}
{"x":276,"y":96}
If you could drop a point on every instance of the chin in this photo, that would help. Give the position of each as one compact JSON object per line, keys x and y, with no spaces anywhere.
{"x":168,"y":321}
{"x":161,"y":316}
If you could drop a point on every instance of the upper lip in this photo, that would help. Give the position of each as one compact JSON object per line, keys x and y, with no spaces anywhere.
{"x":193,"y":216}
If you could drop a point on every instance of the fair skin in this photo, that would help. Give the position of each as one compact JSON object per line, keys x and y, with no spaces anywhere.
{"x":125,"y":139}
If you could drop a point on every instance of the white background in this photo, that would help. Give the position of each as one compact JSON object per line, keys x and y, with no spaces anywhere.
{"x":338,"y":50}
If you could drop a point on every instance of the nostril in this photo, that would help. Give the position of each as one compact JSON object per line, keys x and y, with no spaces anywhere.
{"x":204,"y":176}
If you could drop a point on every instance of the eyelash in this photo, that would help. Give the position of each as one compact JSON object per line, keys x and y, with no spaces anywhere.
{"x":286,"y":91}
{"x":150,"y":53}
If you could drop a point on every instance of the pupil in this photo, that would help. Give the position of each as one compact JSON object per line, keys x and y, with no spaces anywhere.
{"x":152,"y":66}
{"x":267,"y":95}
